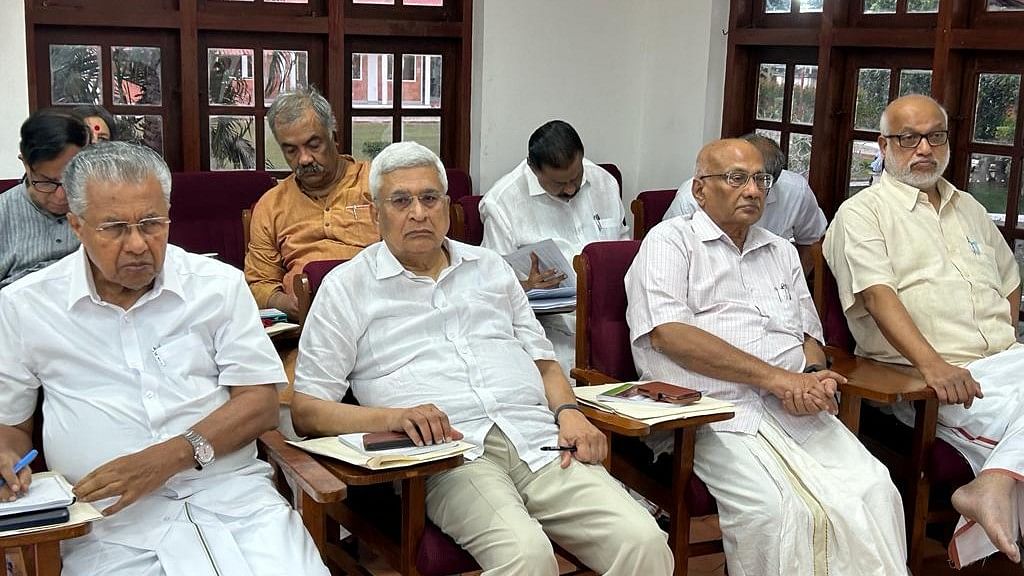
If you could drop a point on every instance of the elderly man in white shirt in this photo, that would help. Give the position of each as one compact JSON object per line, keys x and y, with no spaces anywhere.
{"x":790,"y":210}
{"x":436,"y":339}
{"x":156,"y":377}
{"x":720,"y":305}
{"x":557,"y":194}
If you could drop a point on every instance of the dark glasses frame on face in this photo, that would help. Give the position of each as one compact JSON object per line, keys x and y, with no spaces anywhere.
{"x":762,"y":180}
{"x":45,"y":186}
{"x":403,"y":202}
{"x":936,"y":138}
{"x":148,"y":227}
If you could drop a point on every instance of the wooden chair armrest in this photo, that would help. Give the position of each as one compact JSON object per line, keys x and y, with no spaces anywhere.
{"x":353,"y":475}
{"x":589,"y":377}
{"x":56,"y":534}
{"x":879,"y":381}
{"x":308,"y":473}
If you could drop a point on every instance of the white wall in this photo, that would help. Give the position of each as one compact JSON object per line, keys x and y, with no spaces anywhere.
{"x":13,"y":85}
{"x":641,"y":81}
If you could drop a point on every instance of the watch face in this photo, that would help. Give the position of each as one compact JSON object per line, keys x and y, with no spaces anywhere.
{"x":204,"y":453}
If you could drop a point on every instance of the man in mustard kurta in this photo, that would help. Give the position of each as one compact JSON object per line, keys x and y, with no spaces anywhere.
{"x":320,"y":212}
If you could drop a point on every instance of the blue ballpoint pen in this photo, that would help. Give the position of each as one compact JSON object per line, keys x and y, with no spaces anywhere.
{"x":25,"y":461}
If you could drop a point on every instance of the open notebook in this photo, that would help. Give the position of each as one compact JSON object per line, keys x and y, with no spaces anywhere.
{"x":47,"y":491}
{"x":334,"y":447}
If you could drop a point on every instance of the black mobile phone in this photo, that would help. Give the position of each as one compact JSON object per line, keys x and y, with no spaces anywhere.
{"x":34,"y":518}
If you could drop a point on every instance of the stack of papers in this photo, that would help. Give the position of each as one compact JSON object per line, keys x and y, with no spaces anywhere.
{"x":272,"y":316}
{"x":551,"y":299}
{"x":549,"y":257}
{"x":48,"y":491}
{"x":649,"y":412}
{"x":348,"y":448}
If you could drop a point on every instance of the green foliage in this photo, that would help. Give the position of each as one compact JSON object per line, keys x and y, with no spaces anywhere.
{"x":996,"y":116}
{"x":75,"y":74}
{"x":373,"y":147}
{"x":872,"y":97}
{"x":231,"y":143}
{"x":134,"y":66}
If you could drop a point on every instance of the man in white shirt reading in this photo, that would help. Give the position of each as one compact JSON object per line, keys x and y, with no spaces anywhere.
{"x":554,"y":194}
{"x":156,"y":377}
{"x":926,"y":279}
{"x":720,"y":305}
{"x":790,"y":209}
{"x":436,"y":339}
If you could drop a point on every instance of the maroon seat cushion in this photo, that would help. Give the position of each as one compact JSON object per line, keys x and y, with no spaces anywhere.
{"x":474,"y":227}
{"x":206,"y":210}
{"x":316,"y":270}
{"x":459,"y":183}
{"x":608,"y":332}
{"x":947,"y":467}
{"x":655,"y":203}
{"x":439,"y":555}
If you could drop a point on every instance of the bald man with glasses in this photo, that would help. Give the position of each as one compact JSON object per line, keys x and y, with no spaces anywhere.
{"x":34,"y":231}
{"x":926,"y":279}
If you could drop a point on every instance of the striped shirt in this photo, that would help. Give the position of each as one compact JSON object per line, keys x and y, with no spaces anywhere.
{"x":688,"y":271}
{"x":30,"y":238}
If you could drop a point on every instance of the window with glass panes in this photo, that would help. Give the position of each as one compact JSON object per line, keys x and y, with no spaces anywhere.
{"x":784,"y":109}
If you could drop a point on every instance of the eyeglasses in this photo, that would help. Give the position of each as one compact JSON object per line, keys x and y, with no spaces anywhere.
{"x":147,"y":227}
{"x":45,"y":186}
{"x":937,"y":138}
{"x":403,"y":202}
{"x":762,"y":180}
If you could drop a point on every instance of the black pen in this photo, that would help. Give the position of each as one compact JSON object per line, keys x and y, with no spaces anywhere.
{"x":558,"y":448}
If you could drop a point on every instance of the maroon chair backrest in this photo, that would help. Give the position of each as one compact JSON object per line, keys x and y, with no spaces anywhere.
{"x":473,"y":232}
{"x":615,"y":172}
{"x":206,"y":210}
{"x":656,"y":203}
{"x":607,"y":330}
{"x":836,"y":330}
{"x":459,"y":184}
{"x":316,"y":271}
{"x":6,"y":185}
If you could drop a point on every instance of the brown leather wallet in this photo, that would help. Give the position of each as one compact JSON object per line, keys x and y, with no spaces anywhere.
{"x":665,"y":392}
{"x":386,"y":441}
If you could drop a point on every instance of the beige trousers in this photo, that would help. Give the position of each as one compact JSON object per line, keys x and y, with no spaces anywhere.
{"x":504,"y":515}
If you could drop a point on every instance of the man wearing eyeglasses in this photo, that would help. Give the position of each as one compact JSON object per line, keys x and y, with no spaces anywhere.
{"x":34,"y":231}
{"x":720,"y":305}
{"x":156,"y":377}
{"x":790,"y":210}
{"x":436,"y":339}
{"x":926,"y":279}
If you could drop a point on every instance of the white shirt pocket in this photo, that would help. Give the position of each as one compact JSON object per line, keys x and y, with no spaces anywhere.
{"x":186,"y":357}
{"x":608,"y":228}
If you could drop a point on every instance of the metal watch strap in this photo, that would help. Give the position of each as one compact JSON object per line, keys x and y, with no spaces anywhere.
{"x":199,"y":444}
{"x":568,"y":406}
{"x":813,"y":368}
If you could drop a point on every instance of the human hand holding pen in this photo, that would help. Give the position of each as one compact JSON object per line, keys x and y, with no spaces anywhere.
{"x":586,"y":443}
{"x":15,"y":474}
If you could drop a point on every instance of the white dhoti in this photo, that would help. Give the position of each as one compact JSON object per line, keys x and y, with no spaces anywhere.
{"x":823,"y":507}
{"x":238,"y":527}
{"x":990,"y":435}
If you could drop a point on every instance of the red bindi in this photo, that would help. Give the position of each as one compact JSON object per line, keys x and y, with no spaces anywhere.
{"x":96,"y":128}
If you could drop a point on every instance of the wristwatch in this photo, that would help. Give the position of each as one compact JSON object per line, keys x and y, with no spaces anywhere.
{"x":813,"y":368}
{"x":202,"y":450}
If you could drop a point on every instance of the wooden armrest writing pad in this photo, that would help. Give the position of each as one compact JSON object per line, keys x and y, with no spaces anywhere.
{"x":879,"y":381}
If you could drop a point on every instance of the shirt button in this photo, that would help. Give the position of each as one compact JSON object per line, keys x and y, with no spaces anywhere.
{"x":327,"y":225}
{"x":58,"y":240}
{"x":149,"y":395}
{"x":127,"y":320}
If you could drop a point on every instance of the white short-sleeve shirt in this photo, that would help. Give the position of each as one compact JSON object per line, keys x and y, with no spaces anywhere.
{"x":689,"y":271}
{"x":790,"y":210}
{"x":115,"y":382}
{"x":466,"y":343}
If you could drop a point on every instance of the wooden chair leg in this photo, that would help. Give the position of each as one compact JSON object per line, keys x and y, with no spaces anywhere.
{"x":682,"y":470}
{"x":414,"y":514}
{"x":849,"y":411}
{"x":918,"y":483}
{"x":47,"y":559}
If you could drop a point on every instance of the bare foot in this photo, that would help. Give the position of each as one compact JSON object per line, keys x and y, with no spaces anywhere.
{"x":989,"y":500}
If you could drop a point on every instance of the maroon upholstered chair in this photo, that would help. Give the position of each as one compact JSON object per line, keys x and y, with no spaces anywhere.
{"x":459,"y":184}
{"x":615,"y":172}
{"x":648,"y":209}
{"x":466,"y":223}
{"x":306,"y":284}
{"x":6,"y":185}
{"x":603,"y":355}
{"x":205,"y":208}
{"x":928,"y":470}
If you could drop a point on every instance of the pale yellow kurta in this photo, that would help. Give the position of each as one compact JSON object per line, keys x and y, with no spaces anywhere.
{"x":951,"y":269}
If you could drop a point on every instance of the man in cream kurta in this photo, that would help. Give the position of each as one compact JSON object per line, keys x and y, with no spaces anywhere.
{"x":721,"y":306}
{"x":926,"y":279}
{"x":554,"y":194}
{"x":156,"y":377}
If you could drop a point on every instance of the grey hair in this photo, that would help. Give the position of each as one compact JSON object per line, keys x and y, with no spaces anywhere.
{"x":774,"y":157}
{"x":883,"y":124}
{"x":288,"y":108}
{"x":116,"y":162}
{"x":404,"y":155}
